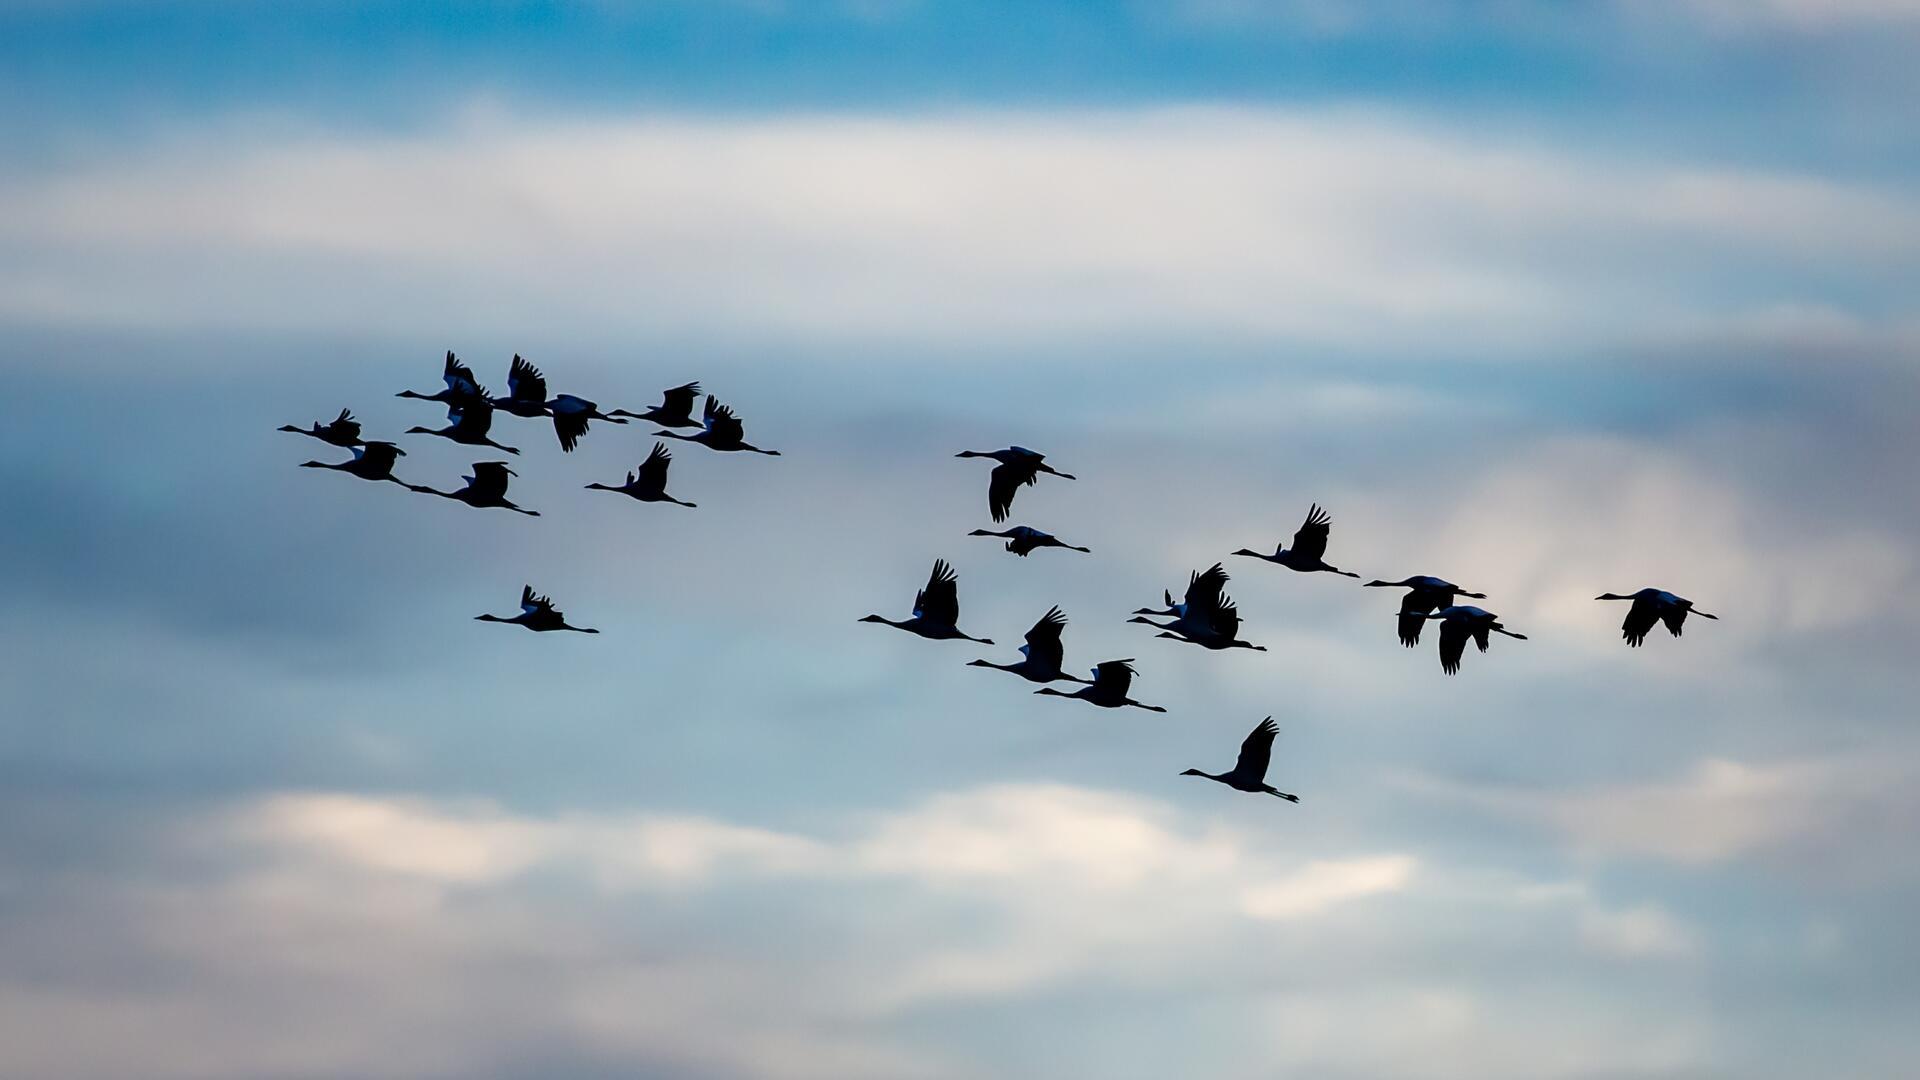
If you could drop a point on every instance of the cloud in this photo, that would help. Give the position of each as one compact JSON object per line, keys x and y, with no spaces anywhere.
{"x":1318,"y":226}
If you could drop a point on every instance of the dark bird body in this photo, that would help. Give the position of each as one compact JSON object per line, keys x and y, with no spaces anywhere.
{"x":675,"y":408}
{"x":1457,"y":624}
{"x":537,"y":614}
{"x":1018,"y":467}
{"x":722,"y":431}
{"x":649,"y":482}
{"x":1424,"y":596}
{"x":1023,"y":540}
{"x":1309,"y":549}
{"x":486,"y":489}
{"x":936,"y":609}
{"x":1651,"y":606}
{"x":371,"y":461}
{"x":1111,"y":681}
{"x":1249,"y":773}
{"x":1205,"y":617}
{"x":1041,"y":656}
{"x":342,"y":431}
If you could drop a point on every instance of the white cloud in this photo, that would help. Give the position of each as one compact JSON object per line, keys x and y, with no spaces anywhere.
{"x":1318,"y":226}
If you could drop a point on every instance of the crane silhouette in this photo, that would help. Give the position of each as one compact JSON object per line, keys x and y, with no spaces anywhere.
{"x":1652,"y":606}
{"x":486,"y":488}
{"x":936,"y":609}
{"x":1309,"y":547}
{"x":469,"y":424}
{"x":1249,"y":773}
{"x":675,"y":408}
{"x":1111,"y":681}
{"x":1424,"y":596}
{"x":462,"y":387}
{"x":371,"y":461}
{"x":1457,"y":624}
{"x":1022,"y":540}
{"x":342,"y":431}
{"x":1018,"y":467}
{"x":1041,"y":655}
{"x":527,"y":397}
{"x":649,"y":482}
{"x":538,"y":614}
{"x":722,"y":431}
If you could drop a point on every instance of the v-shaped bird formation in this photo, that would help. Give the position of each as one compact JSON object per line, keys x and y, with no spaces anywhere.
{"x":1204,"y":615}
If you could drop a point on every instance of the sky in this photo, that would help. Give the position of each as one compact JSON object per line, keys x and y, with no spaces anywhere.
{"x":1547,"y":299}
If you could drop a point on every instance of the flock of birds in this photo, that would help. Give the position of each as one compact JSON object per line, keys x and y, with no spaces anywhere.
{"x":1203,"y":616}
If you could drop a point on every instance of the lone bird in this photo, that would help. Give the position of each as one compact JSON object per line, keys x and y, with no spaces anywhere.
{"x":462,"y":387}
{"x":1250,"y":772}
{"x":936,"y":609}
{"x":1309,"y":545}
{"x":527,"y":397}
{"x":1109,"y":687}
{"x":1041,"y":655}
{"x":1651,"y":606}
{"x":537,"y":613}
{"x":649,"y":482}
{"x":1457,"y":624}
{"x":468,"y":425}
{"x":675,"y":408}
{"x":1018,"y":468}
{"x":371,"y":461}
{"x":1023,"y":539}
{"x":342,"y":430}
{"x":486,"y":488}
{"x":723,"y":431}
{"x":1424,"y":595}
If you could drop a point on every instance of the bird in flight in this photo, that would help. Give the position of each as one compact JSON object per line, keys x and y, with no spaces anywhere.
{"x":1652,"y":606}
{"x":527,"y":397}
{"x":1111,"y":681}
{"x":1022,"y":540}
{"x":1203,"y":594}
{"x":1249,"y":773}
{"x":537,"y":613}
{"x":1017,"y":468}
{"x":342,"y":431}
{"x":649,"y":482}
{"x":1457,"y":624}
{"x":462,"y":387}
{"x":1424,"y":595}
{"x":486,"y":488}
{"x":371,"y":461}
{"x":468,"y":424}
{"x":675,"y":408}
{"x":1213,"y":625}
{"x":722,"y":431}
{"x":936,"y":609}
{"x":1309,"y":547}
{"x":1040,"y":657}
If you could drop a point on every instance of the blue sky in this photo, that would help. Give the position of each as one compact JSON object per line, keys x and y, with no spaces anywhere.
{"x":1550,"y":300}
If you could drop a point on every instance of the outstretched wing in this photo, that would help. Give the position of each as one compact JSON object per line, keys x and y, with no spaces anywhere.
{"x":725,"y":426}
{"x":1310,"y":541}
{"x":1674,"y":615}
{"x":1224,"y":619}
{"x":490,"y":479}
{"x":1004,"y":482}
{"x":1453,"y":644}
{"x":1114,"y":676}
{"x":679,"y":400}
{"x":345,"y":425}
{"x":1203,"y":589}
{"x":653,"y":472}
{"x":1256,"y":752}
{"x":939,"y":603}
{"x":1043,"y":641}
{"x":471,"y":419}
{"x":1414,"y":608}
{"x":1640,"y":619}
{"x":528,"y":602}
{"x":569,"y":427}
{"x":525,"y":383}
{"x":459,"y":378}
